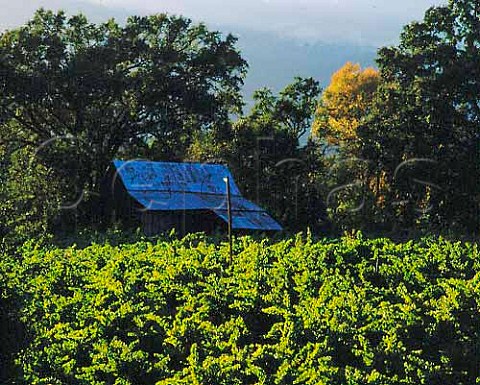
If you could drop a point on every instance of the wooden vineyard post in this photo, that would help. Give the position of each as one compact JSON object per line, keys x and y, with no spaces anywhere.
{"x":229,"y":212}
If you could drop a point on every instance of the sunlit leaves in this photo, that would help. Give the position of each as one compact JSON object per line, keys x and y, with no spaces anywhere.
{"x":345,"y":103}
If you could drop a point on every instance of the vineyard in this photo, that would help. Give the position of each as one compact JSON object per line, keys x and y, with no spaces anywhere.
{"x":338,"y":312}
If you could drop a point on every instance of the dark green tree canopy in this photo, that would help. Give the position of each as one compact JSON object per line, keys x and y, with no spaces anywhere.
{"x":112,"y":88}
{"x":440,"y":57}
{"x":276,"y":170}
{"x":292,"y":110}
{"x":429,"y":108}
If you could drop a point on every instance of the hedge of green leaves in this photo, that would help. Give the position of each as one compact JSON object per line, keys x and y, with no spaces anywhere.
{"x":352,"y":311}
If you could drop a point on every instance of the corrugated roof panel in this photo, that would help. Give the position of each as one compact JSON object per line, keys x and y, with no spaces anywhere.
{"x":168,"y":186}
{"x":158,"y":201}
{"x":141,"y":175}
{"x":250,"y":220}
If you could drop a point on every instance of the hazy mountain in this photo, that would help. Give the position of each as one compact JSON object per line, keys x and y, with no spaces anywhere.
{"x":15,"y":13}
{"x":274,"y":58}
{"x":362,"y":22}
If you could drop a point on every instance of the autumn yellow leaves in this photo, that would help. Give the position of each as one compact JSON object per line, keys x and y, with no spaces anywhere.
{"x":344,"y":103}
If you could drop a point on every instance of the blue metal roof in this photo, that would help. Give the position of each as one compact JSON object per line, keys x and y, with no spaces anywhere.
{"x":141,"y":175}
{"x":159,"y":200}
{"x":167,"y":186}
{"x":253,"y":220}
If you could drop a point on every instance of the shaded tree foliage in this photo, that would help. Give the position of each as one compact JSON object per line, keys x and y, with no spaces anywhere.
{"x":88,"y":93}
{"x":30,"y":197}
{"x":427,"y":115}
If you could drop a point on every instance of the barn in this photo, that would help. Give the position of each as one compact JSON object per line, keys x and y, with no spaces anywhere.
{"x":190,"y":197}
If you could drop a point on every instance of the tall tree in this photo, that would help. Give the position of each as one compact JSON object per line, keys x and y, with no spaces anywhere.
{"x":342,"y":107}
{"x":344,"y":104}
{"x":86,"y":93}
{"x":424,"y":129}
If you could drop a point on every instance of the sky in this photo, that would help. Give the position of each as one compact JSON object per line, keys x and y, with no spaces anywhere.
{"x":362,"y":22}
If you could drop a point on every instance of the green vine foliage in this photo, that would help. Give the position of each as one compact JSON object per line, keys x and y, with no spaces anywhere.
{"x":347,"y":311}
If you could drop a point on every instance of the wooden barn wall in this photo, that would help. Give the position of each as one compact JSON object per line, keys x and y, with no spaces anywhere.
{"x":117,"y":205}
{"x":183,"y":221}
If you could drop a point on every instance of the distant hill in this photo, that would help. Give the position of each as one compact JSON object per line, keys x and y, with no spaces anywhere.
{"x":274,"y":60}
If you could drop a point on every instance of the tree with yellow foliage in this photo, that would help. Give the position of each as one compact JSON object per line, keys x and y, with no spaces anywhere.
{"x":344,"y":103}
{"x":341,"y":110}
